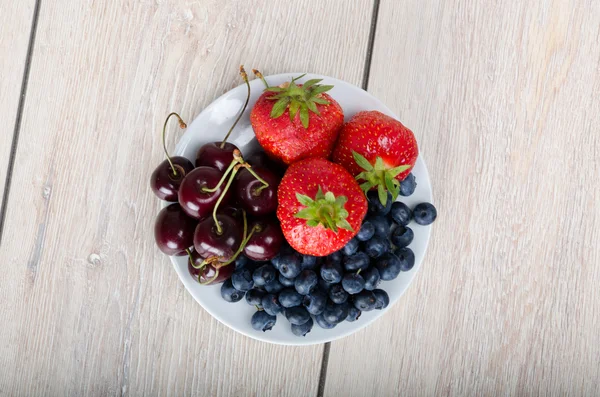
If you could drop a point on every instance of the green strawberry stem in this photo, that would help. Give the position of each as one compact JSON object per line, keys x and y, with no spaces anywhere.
{"x":325,"y":209}
{"x":245,"y":77}
{"x":182,"y":125}
{"x":379,"y":176}
{"x":260,"y":76}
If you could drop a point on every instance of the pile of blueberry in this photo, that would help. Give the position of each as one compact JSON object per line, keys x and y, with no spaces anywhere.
{"x":328,"y":290}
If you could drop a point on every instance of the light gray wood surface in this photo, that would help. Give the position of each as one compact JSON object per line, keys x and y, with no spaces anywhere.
{"x":90,"y":305}
{"x":504,"y":99}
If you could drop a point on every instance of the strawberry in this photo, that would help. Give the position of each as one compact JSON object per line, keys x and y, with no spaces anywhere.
{"x":378,"y":150}
{"x":296,"y":121}
{"x":321,"y":206}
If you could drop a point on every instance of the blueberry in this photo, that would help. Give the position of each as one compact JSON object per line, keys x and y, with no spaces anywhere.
{"x":336,"y":313}
{"x":365,"y":301}
{"x":388,"y":266}
{"x":360,"y":260}
{"x":275,"y":261}
{"x":229,"y":293}
{"x":353,"y":314}
{"x":254,"y":297}
{"x":408,"y":185}
{"x":372,"y":278}
{"x":263,"y":275}
{"x":336,"y":256}
{"x":381,"y":225}
{"x":306,"y":282}
{"x":400,"y":213}
{"x":308,"y":262}
{"x":289,"y":265}
{"x":324,"y":285}
{"x":324,"y":323}
{"x":315,"y":302}
{"x":273,"y":287}
{"x":382,"y":298}
{"x":286,"y":282}
{"x":302,"y":329}
{"x":241,"y":261}
{"x":406,"y":257}
{"x":297,"y":315}
{"x":271,"y":304}
{"x":402,"y":236}
{"x":351,"y":247}
{"x":290,"y":298}
{"x":242,"y":279}
{"x":375,"y":206}
{"x":353,"y":283}
{"x":337,"y":294}
{"x":377,"y":246}
{"x":332,"y":272}
{"x":425,"y":214}
{"x":367,"y":230}
{"x":262,"y":321}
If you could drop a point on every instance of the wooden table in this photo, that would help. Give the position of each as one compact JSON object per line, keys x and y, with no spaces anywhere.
{"x":504,"y":98}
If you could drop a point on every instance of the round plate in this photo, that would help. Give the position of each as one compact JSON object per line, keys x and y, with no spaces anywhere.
{"x":211,"y":125}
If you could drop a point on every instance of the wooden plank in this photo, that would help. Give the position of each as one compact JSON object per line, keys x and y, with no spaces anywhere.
{"x":504,"y":98}
{"x":15,"y":25}
{"x":90,"y":305}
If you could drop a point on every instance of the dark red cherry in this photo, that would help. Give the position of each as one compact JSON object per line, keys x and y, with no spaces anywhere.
{"x":165,"y":183}
{"x":235,"y":212}
{"x":266,"y":241}
{"x":251,"y":193}
{"x":209,"y":242}
{"x":260,"y":159}
{"x":196,"y":202}
{"x":174,"y":230}
{"x":208,"y":271}
{"x":212,"y":155}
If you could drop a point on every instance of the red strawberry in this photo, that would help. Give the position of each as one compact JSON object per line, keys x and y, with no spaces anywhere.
{"x":297,"y":121}
{"x":321,"y":206}
{"x":378,"y":150}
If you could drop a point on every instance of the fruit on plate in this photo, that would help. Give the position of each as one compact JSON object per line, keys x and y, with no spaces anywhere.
{"x":321,"y":206}
{"x":378,"y":150}
{"x":296,"y":121}
{"x":174,"y":230}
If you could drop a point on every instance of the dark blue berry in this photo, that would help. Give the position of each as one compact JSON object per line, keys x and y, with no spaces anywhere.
{"x":297,"y":315}
{"x":241,"y":261}
{"x":388,"y":266}
{"x":353,"y":283}
{"x":408,"y":185}
{"x":273,"y":287}
{"x":309,"y":262}
{"x":336,"y":313}
{"x":290,"y":265}
{"x":263,"y":275}
{"x":229,"y":293}
{"x":254,"y":297}
{"x":320,"y":319}
{"x":400,"y":213}
{"x":332,"y":272}
{"x":336,"y":256}
{"x":290,"y":298}
{"x":381,"y":225}
{"x":262,"y":321}
{"x":271,"y":304}
{"x":337,"y":294}
{"x":364,"y":301}
{"x":402,"y":236}
{"x":406,"y":257}
{"x":425,"y":214}
{"x":367,"y":230}
{"x":375,"y":206}
{"x":324,"y":285}
{"x":302,"y":329}
{"x":382,"y":299}
{"x":315,"y":302}
{"x":372,"y":278}
{"x":360,"y":260}
{"x":306,"y":281}
{"x":351,"y":247}
{"x":287,"y":282}
{"x":275,"y":261}
{"x":377,"y":246}
{"x":353,"y":314}
{"x":242,"y":279}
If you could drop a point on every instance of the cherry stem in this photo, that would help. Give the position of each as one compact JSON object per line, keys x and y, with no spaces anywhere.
{"x":245,"y":77}
{"x":237,"y":158}
{"x":260,"y":76}
{"x":245,"y":240}
{"x":231,"y":177}
{"x":265,"y":183}
{"x":182,"y":125}
{"x":211,"y":280}
{"x":358,"y":272}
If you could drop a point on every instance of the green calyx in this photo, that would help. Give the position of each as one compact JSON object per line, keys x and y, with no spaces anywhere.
{"x":302,"y":99}
{"x":325,"y":209}
{"x":380,"y":176}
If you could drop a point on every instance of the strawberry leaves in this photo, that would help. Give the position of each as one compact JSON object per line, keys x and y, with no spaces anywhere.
{"x":325,"y":209}
{"x":379,"y":176}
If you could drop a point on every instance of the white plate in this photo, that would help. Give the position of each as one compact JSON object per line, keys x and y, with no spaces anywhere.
{"x":211,"y":125}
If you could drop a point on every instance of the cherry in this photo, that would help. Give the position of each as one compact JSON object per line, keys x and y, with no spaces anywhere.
{"x":216,"y":156}
{"x":201,"y":190}
{"x":174,"y":230}
{"x":256,"y":190}
{"x":206,"y":273}
{"x":266,"y":241}
{"x":223,"y":244}
{"x":260,"y":159}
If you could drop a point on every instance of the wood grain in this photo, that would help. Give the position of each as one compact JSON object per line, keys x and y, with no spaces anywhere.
{"x":90,"y":305}
{"x":15,"y":26}
{"x":504,"y":98}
